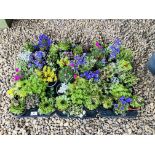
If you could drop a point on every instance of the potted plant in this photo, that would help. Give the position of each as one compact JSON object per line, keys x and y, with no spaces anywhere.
{"x":65,"y":74}
{"x":18,"y":107}
{"x":47,"y":75}
{"x":62,"y":104}
{"x":76,"y":111}
{"x":61,"y":88}
{"x":91,"y":106}
{"x":46,"y":107}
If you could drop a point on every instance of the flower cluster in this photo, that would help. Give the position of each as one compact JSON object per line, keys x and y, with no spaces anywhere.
{"x":74,"y":81}
{"x":37,"y":59}
{"x":78,"y":60}
{"x":124,"y":100}
{"x":44,"y":42}
{"x":18,"y":75}
{"x":115,"y":48}
{"x":91,"y":75}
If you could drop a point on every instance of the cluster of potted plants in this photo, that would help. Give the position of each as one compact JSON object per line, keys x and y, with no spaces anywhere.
{"x":72,"y":81}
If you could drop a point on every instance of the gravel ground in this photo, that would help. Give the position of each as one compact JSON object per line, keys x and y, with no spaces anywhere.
{"x":136,"y":34}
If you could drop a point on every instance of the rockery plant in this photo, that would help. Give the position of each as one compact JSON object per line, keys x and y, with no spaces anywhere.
{"x":70,"y":79}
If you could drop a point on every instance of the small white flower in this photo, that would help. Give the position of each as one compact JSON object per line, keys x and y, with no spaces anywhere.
{"x":24,"y":56}
{"x":63,"y":88}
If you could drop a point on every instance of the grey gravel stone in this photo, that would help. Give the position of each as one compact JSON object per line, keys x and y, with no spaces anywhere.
{"x":139,"y":35}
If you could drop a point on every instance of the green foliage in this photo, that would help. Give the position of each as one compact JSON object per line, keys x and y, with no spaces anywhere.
{"x":118,"y":90}
{"x":62,"y":103}
{"x":97,"y":53}
{"x":32,"y":85}
{"x":125,"y":54}
{"x":121,"y":109}
{"x":46,"y":106}
{"x":124,"y":66}
{"x":78,"y":50}
{"x":109,"y":70}
{"x":28,"y":47}
{"x":84,"y":92}
{"x":76,"y":110}
{"x":107,"y":102}
{"x":63,"y":62}
{"x":22,"y":65}
{"x":137,"y":102}
{"x":90,"y":63}
{"x":128,"y":79}
{"x":53,"y":55}
{"x":65,"y":74}
{"x":64,"y":46}
{"x":17,"y":106}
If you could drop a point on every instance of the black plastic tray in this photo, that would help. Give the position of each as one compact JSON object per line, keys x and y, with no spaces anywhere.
{"x":100,"y":112}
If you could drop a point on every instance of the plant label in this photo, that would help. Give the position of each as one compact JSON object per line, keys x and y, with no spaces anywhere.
{"x":34,"y":113}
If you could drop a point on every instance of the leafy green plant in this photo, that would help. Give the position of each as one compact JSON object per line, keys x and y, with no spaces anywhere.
{"x":118,"y":90}
{"x":28,"y":47}
{"x":53,"y":55}
{"x":62,"y":103}
{"x":124,"y":66}
{"x":64,"y":45}
{"x":17,"y":106}
{"x":125,"y":54}
{"x":32,"y":85}
{"x":83,"y":92}
{"x":46,"y":106}
{"x":119,"y":109}
{"x":90,"y":63}
{"x":63,"y":62}
{"x":47,"y":74}
{"x":65,"y":74}
{"x":76,"y":111}
{"x":107,"y":102}
{"x":137,"y":102}
{"x":78,"y":50}
{"x":128,"y":79}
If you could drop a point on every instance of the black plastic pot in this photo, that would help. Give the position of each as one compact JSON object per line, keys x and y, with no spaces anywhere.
{"x":151,"y":64}
{"x":33,"y":112}
{"x":61,"y":114}
{"x":110,"y":113}
{"x":90,"y":113}
{"x":52,"y":84}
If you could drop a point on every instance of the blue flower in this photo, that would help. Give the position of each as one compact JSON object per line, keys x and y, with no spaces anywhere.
{"x":90,"y":74}
{"x":122,"y":98}
{"x":44,"y":42}
{"x":115,"y":48}
{"x":129,"y":100}
{"x":115,"y":106}
{"x":122,"y":108}
{"x":39,"y":54}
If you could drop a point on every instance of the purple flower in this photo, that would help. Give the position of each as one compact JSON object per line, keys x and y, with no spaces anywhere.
{"x":90,"y":74}
{"x":129,"y":100}
{"x":44,"y":42}
{"x":115,"y":106}
{"x":98,"y":45}
{"x":17,"y":70}
{"x":115,"y":48}
{"x":39,"y":54}
{"x":122,"y":108}
{"x":122,"y":98}
{"x":17,"y":77}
